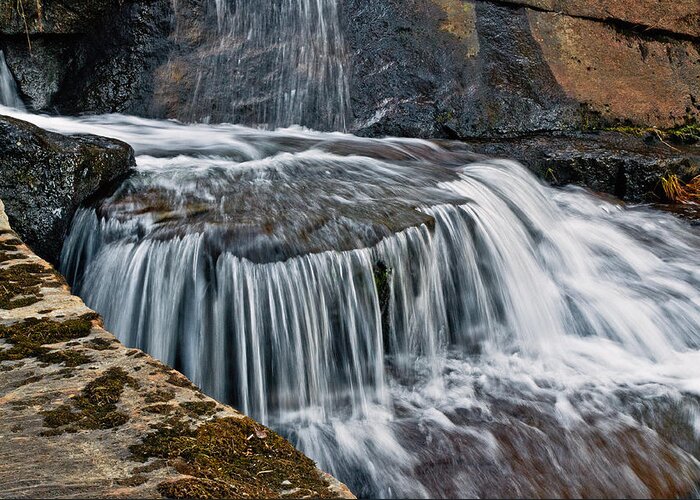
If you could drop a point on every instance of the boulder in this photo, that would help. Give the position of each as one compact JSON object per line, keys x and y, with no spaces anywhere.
{"x":44,"y":177}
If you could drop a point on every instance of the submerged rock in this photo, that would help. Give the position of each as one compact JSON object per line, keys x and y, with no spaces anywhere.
{"x":44,"y":177}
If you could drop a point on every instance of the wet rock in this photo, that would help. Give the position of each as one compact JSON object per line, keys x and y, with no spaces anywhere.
{"x":626,"y":166}
{"x":44,"y":177}
{"x":680,"y":17}
{"x":426,"y":68}
{"x":92,"y":55}
{"x":618,"y":74}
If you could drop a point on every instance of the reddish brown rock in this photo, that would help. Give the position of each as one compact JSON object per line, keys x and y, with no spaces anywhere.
{"x":675,"y":16}
{"x":621,"y":76}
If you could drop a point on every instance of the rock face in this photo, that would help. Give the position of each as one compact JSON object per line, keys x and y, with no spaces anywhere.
{"x":486,"y":68}
{"x":428,"y":68}
{"x":84,"y":416}
{"x":44,"y":177}
{"x":91,"y":55}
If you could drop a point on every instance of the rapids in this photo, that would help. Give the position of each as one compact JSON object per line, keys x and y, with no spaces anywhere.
{"x":419,"y":320}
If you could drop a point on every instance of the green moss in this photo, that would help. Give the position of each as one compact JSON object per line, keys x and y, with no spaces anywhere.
{"x":686,"y":134}
{"x":160,"y":408}
{"x":28,"y":338}
{"x":159,"y":396}
{"x":179,"y":380}
{"x":198,"y":488}
{"x":101,"y":344}
{"x":445,"y":117}
{"x":199,"y":408}
{"x":21,"y":284}
{"x":95,"y":408}
{"x":69,"y":358}
{"x":63,"y":415}
{"x":65,"y":373}
{"x":230,"y":457}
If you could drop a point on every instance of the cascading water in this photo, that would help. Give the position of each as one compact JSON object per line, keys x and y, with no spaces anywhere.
{"x":271,"y":62}
{"x":8,"y":88}
{"x":418,"y":322}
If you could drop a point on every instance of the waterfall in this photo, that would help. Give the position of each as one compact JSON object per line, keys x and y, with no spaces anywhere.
{"x":8,"y":89}
{"x":273,"y":63}
{"x":419,"y":321}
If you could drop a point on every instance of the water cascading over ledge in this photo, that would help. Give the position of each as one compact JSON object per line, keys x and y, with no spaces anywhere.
{"x":496,"y":328}
{"x":9,"y":95}
{"x":261,"y":62}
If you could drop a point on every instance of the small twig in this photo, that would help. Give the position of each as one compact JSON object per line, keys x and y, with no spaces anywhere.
{"x":40,"y":15}
{"x":658,"y":134}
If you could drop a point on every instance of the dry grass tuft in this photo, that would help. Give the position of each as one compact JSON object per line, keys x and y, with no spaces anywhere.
{"x":676,"y":191}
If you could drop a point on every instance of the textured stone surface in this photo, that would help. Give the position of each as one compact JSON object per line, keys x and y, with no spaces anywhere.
{"x":419,"y":69}
{"x":675,"y":16}
{"x":618,"y":75}
{"x":45,"y":176}
{"x":55,"y":16}
{"x":53,"y":446}
{"x":91,"y":55}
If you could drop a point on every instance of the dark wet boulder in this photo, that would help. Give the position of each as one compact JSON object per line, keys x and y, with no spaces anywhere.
{"x":421,"y":68}
{"x":86,"y":55}
{"x":627,"y":166}
{"x":44,"y":177}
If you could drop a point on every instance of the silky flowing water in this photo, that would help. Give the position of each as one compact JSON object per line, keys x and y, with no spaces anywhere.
{"x":420,"y":321}
{"x":272,"y":63}
{"x":8,"y":88}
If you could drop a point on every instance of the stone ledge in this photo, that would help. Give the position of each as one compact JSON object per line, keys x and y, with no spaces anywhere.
{"x":85,"y":416}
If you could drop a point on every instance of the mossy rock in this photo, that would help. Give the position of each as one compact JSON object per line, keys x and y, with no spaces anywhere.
{"x":29,"y":337}
{"x":95,"y":408}
{"x":21,"y":284}
{"x":229,"y":458}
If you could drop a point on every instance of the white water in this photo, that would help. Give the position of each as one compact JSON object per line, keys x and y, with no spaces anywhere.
{"x":276,"y":63}
{"x":8,"y":88}
{"x":516,"y":349}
